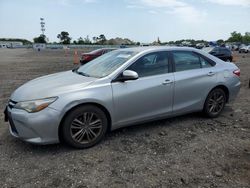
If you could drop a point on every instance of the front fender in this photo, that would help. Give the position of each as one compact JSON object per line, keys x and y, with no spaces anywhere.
{"x":98,"y":95}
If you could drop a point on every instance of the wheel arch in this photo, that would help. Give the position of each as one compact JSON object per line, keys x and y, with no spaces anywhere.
{"x":224,"y":88}
{"x":107,"y":113}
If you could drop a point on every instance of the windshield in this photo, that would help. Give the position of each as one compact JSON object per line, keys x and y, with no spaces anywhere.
{"x":106,"y":64}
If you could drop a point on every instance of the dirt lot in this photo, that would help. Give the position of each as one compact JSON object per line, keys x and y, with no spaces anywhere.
{"x":187,"y":151}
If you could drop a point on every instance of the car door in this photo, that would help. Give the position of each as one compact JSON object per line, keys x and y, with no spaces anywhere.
{"x":148,"y":97}
{"x":195,"y":75}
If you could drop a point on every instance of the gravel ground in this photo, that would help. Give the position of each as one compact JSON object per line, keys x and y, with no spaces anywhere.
{"x":186,"y":151}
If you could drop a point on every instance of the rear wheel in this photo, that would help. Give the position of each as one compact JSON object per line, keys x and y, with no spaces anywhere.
{"x":84,"y":126}
{"x":215,"y":103}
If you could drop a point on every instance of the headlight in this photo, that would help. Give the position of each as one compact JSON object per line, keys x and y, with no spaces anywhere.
{"x":35,"y":105}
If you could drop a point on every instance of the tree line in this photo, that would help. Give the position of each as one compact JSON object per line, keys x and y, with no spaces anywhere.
{"x":64,"y":38}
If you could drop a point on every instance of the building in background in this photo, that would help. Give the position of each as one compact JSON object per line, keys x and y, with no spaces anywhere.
{"x":10,"y":44}
{"x":39,"y":46}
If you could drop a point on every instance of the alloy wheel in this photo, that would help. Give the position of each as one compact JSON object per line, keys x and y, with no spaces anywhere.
{"x":86,"y":128}
{"x":216,"y":102}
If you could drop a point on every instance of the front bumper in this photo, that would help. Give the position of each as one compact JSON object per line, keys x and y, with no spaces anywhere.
{"x":37,"y":128}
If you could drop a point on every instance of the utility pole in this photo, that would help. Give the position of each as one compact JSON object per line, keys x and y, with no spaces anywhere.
{"x":42,"y":22}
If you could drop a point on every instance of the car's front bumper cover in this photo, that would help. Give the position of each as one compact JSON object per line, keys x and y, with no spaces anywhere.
{"x":38,"y":128}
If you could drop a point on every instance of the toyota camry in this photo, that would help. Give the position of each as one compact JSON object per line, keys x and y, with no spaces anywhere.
{"x":123,"y":87}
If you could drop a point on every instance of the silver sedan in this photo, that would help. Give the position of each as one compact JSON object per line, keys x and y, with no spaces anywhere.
{"x":121,"y":88}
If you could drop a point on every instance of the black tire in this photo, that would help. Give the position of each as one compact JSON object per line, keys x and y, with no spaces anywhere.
{"x":84,"y":126}
{"x":215,"y":103}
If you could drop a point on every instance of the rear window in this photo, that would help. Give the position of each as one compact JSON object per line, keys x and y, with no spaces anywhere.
{"x":225,"y":51}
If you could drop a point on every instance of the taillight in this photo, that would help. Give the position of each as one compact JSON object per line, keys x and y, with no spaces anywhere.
{"x":237,"y":72}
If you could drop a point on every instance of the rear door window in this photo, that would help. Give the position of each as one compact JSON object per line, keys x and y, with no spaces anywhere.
{"x":185,"y":60}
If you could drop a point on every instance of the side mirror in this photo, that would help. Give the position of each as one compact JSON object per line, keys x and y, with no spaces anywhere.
{"x":127,"y":75}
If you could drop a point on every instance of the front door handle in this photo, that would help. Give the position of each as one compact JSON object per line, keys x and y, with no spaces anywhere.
{"x":167,"y":82}
{"x":210,"y":73}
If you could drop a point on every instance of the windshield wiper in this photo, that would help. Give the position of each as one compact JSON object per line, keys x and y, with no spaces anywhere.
{"x":75,"y":69}
{"x":82,"y":73}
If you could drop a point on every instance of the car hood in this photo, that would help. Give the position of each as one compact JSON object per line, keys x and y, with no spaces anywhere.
{"x":51,"y":86}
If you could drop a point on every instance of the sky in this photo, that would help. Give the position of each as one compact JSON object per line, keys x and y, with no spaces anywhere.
{"x":138,"y":20}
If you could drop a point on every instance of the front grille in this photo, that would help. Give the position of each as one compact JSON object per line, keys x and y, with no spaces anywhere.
{"x":11,"y":104}
{"x":12,"y":125}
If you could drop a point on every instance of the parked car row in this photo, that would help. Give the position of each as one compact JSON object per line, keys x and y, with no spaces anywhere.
{"x":238,"y":47}
{"x":244,"y":49}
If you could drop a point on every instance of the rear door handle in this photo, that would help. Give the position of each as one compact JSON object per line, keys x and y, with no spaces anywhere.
{"x":210,"y":73}
{"x":167,"y":82}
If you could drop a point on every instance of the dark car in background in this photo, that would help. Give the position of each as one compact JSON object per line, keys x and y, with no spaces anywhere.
{"x":222,"y":53}
{"x":86,"y":57}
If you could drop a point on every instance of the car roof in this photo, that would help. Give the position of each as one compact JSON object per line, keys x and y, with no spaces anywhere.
{"x":149,"y":49}
{"x":155,"y":48}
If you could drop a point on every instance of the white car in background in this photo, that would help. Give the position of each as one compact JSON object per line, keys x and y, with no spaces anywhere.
{"x":244,"y":49}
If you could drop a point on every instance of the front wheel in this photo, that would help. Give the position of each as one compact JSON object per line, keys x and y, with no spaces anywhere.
{"x":84,"y":126}
{"x":215,"y":103}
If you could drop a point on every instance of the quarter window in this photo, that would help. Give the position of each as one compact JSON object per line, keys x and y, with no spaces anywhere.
{"x":151,"y":64}
{"x":186,"y":61}
{"x":205,"y":63}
